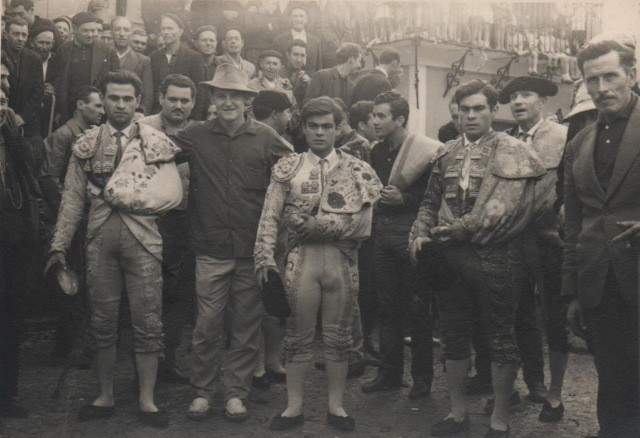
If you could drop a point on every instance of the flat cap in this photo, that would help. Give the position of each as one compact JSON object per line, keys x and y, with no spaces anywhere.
{"x":273,"y":53}
{"x":275,"y":100}
{"x":541,"y":86}
{"x":175,"y":18}
{"x":83,"y":17}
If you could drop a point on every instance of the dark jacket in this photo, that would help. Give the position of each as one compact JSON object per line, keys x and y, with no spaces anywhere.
{"x":369,"y":85}
{"x":314,"y":54}
{"x":27,"y":89}
{"x":328,"y":82}
{"x":591,"y":215}
{"x":104,"y":59}
{"x":186,"y":62}
{"x":141,"y":65}
{"x":448,"y":132}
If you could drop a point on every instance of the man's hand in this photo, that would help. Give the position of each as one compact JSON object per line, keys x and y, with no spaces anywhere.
{"x":19,"y":120}
{"x":56,"y":258}
{"x":48,"y":89}
{"x":451,"y":234}
{"x":390,"y":195}
{"x":307,"y":226}
{"x":303,"y":77}
{"x":416,"y":247}
{"x":561,"y":216}
{"x":262,"y":274}
{"x":630,"y":235}
{"x":576,"y":320}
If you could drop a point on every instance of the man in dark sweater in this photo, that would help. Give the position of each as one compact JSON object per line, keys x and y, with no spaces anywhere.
{"x":376,"y":81}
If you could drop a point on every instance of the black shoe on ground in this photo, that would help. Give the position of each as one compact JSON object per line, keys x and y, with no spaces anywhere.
{"x":371,"y":349}
{"x":493,"y":433}
{"x":345,"y":424}
{"x":549,"y":414}
{"x":93,"y":412}
{"x":449,"y":426}
{"x":12,"y":409}
{"x":382,"y":383}
{"x":478,"y":385}
{"x":275,"y":377}
{"x":171,"y":374}
{"x":285,"y":423}
{"x":421,"y":388}
{"x":261,"y":383}
{"x":538,"y":393}
{"x":356,"y":369}
{"x":158,"y":419}
{"x":514,"y":402}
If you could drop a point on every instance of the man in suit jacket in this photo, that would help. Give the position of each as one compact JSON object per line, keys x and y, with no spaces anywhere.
{"x":299,"y":19}
{"x":174,"y":58}
{"x":376,"y":81}
{"x":602,"y":226}
{"x":42,"y":43}
{"x":336,"y":81}
{"x":129,"y":59}
{"x":25,"y":77}
{"x":84,"y":61}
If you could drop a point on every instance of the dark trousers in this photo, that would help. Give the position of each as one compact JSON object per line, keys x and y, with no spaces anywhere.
{"x":403,"y":301}
{"x":367,"y":296}
{"x":178,"y":271}
{"x":613,"y":325}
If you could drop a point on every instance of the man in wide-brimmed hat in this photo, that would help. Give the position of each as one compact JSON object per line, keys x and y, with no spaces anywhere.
{"x":269,"y":75}
{"x":230,"y":159}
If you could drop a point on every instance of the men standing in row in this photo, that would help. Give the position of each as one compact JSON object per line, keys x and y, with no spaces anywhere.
{"x":377,"y":81}
{"x":177,"y":99}
{"x":124,"y":247}
{"x":25,"y":77}
{"x":540,"y":248}
{"x":336,"y":81}
{"x":402,"y":162}
{"x":299,"y":20}
{"x":475,"y":214}
{"x":83,"y":61}
{"x":601,"y":192}
{"x":133,"y":61}
{"x":269,"y":76}
{"x":230,"y":160}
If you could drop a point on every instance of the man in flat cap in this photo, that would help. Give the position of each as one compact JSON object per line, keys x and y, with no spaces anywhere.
{"x":230,"y":159}
{"x":269,"y":75}
{"x":83,"y":61}
{"x":540,"y":248}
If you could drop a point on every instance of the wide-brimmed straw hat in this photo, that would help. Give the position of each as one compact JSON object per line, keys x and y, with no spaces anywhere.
{"x":230,"y":77}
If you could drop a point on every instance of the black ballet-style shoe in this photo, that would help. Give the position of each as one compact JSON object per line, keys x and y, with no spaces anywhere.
{"x":345,"y":424}
{"x":549,"y":414}
{"x":285,"y":423}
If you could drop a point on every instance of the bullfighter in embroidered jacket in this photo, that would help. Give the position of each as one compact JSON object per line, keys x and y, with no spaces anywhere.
{"x":325,"y":198}
{"x":480,"y":195}
{"x":124,"y":247}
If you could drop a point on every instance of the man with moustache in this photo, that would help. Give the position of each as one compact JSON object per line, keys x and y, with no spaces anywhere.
{"x":124,"y":247}
{"x":177,"y":99}
{"x":601,"y":229}
{"x":478,"y":199}
{"x":131,"y":60}
{"x":230,"y":159}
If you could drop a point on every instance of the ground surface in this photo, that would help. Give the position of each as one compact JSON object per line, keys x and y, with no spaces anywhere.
{"x":389,"y":415}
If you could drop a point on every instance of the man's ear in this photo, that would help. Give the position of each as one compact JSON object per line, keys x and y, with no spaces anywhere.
{"x":400,"y":120}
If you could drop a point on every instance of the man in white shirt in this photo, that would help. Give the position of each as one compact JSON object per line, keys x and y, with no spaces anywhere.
{"x":299,"y":19}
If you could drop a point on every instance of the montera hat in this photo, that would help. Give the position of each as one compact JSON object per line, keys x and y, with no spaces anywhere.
{"x":273,"y":53}
{"x":274,"y":100}
{"x":541,"y":86}
{"x":230,"y":77}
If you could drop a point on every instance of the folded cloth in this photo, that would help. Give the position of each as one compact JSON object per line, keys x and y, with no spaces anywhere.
{"x":416,"y":154}
{"x":274,"y":298}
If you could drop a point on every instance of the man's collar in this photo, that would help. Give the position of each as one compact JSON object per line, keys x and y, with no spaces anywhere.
{"x":249,"y":127}
{"x":296,"y":32}
{"x":531,"y":131}
{"x":126,"y":131}
{"x":624,"y":113}
{"x":379,"y":68}
{"x":124,"y":54}
{"x":468,"y":142}
{"x":331,"y":158}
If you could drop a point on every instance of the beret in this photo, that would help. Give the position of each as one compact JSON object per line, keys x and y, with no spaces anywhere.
{"x":174,"y":18}
{"x":83,"y":17}
{"x":541,"y":86}
{"x":273,"y":53}
{"x":275,"y":100}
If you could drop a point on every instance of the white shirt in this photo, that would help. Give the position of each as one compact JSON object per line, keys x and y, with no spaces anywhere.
{"x":527,"y":137}
{"x":299,"y":35}
{"x":123,"y":55}
{"x":382,"y":70}
{"x":127,"y":135}
{"x":45,"y":67}
{"x":466,"y":165}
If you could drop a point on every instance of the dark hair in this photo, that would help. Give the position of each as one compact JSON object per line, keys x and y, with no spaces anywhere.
{"x":28,"y":4}
{"x":341,"y":104}
{"x":84,"y":92}
{"x":477,"y":86}
{"x":122,"y":77}
{"x":360,"y":112}
{"x":601,"y":48}
{"x":346,"y":51}
{"x":15,"y":21}
{"x":177,"y":80}
{"x":389,"y":55}
{"x":106,"y":26}
{"x":261,"y":112}
{"x":205,"y":28}
{"x":398,"y":105}
{"x":296,"y":43}
{"x":321,"y":106}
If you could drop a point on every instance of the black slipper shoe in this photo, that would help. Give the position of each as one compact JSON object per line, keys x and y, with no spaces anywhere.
{"x":93,"y":412}
{"x":285,"y":423}
{"x":158,"y":419}
{"x":345,"y":424}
